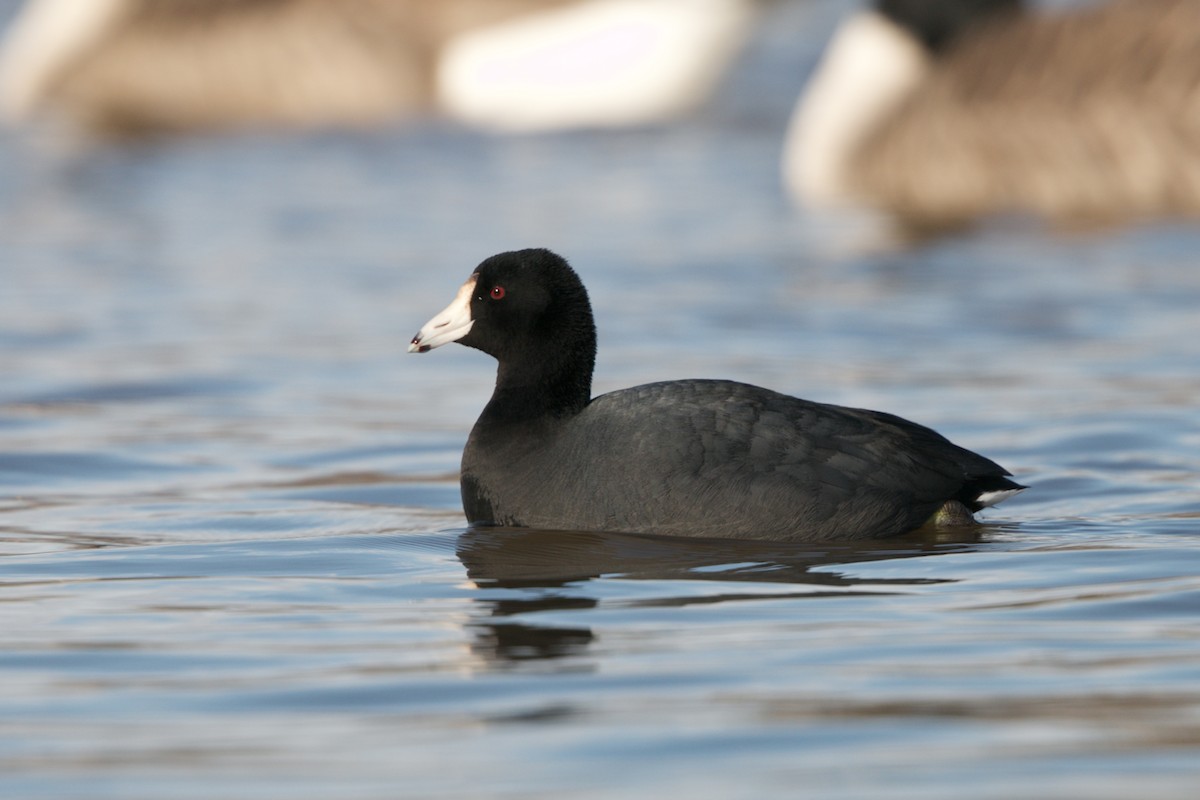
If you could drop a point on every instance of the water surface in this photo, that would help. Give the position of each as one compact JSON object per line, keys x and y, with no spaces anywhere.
{"x":234,"y":562}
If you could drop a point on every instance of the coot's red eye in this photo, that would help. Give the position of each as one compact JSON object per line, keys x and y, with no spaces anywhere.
{"x":497,"y":292}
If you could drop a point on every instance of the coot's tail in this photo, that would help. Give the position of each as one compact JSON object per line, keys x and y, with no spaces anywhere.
{"x":988,"y":490}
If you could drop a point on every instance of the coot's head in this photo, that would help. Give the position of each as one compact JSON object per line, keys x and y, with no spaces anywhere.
{"x":522,"y":306}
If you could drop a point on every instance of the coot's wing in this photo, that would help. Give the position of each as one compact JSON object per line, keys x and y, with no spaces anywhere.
{"x":724,"y":457}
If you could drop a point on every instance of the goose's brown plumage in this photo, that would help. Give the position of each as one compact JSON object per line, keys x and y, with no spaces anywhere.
{"x":1084,"y":115}
{"x":179,"y":65}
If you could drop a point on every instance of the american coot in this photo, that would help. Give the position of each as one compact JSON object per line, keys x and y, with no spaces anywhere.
{"x":691,"y":457}
{"x":942,"y":111}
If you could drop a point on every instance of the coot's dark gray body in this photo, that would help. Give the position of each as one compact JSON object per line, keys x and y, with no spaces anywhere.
{"x":690,"y":458}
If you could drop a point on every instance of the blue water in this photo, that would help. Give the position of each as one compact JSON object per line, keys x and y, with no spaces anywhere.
{"x":233,"y":561}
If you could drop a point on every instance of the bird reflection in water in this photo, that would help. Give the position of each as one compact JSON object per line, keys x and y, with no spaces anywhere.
{"x":523,"y":571}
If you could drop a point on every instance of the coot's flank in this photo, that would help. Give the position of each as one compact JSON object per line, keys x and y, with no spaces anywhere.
{"x":688,"y":458}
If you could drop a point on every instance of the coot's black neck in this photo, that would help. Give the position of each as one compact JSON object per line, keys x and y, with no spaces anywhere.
{"x":549,"y":380}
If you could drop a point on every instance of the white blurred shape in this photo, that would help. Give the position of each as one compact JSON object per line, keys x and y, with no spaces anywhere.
{"x":870,"y":66}
{"x":596,"y":64}
{"x":43,"y":39}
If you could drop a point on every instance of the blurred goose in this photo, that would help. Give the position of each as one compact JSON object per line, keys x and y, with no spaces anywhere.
{"x":942,"y":111}
{"x":135,"y":66}
{"x":152,"y":65}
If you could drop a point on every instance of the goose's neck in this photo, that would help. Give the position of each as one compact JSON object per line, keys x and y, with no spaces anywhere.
{"x":46,"y":37}
{"x":869,"y":68}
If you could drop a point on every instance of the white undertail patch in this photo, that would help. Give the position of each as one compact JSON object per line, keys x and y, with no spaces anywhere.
{"x":999,"y":496}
